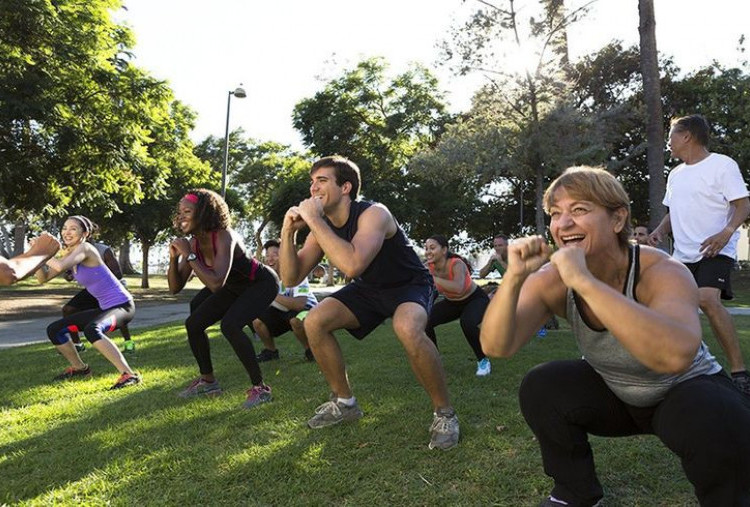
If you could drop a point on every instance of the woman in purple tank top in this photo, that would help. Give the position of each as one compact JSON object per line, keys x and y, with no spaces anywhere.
{"x":116,"y":307}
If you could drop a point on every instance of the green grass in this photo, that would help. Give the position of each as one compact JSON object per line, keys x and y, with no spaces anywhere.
{"x":78,"y":443}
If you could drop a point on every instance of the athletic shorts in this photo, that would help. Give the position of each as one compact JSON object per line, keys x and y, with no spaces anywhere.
{"x":714,"y":272}
{"x":277,"y":321}
{"x":373,"y":306}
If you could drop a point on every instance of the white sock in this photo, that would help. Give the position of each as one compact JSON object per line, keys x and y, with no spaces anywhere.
{"x":349,"y":402}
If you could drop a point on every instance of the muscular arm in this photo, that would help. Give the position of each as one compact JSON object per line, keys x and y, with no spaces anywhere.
{"x":21,"y":266}
{"x":525,"y":300}
{"x":352,"y":258}
{"x":295,"y":265}
{"x":661,"y":329}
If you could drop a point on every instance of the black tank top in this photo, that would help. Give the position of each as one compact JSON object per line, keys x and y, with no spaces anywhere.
{"x":243,"y":271}
{"x":395,"y":264}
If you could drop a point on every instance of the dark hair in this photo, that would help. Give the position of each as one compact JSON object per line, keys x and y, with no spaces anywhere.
{"x":443,"y":242}
{"x":696,"y":125}
{"x":86,"y":224}
{"x":271,"y":243}
{"x":345,"y":170}
{"x":501,"y":236}
{"x":211,"y":210}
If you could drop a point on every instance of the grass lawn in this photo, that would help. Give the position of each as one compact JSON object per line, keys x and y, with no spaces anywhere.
{"x":78,"y":443}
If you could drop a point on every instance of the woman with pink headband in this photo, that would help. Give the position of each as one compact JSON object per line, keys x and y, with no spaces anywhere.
{"x":116,"y":306}
{"x":238,"y":289}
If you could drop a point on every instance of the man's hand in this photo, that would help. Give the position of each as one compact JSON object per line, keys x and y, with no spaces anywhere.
{"x":46,"y":244}
{"x":311,"y":208}
{"x":712,"y":245}
{"x":655,"y":238}
{"x":293,"y":221}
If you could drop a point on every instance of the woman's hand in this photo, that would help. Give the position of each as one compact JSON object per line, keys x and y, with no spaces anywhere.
{"x":180,"y":247}
{"x":571,"y":265}
{"x":527,"y":255}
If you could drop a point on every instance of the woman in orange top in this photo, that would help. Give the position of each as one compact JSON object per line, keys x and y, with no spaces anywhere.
{"x":464,"y":299}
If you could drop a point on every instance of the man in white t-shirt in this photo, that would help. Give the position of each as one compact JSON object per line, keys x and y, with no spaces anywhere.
{"x":286,"y":313}
{"x":707,"y":200}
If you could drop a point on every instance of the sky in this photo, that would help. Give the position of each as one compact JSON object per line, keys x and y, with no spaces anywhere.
{"x":283,"y":51}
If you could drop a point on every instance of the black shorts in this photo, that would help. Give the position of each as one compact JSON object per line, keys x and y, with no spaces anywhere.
{"x":372,"y":306}
{"x":277,"y":321}
{"x":83,"y":301}
{"x":714,"y":272}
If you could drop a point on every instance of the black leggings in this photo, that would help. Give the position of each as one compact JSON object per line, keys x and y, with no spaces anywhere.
{"x":703,"y":420}
{"x":470,"y":310}
{"x":236,"y":309}
{"x":95,"y":323}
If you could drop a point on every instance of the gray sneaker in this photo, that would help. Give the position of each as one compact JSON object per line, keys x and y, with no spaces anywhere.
{"x":444,"y":429}
{"x":333,"y":412}
{"x":199,"y":387}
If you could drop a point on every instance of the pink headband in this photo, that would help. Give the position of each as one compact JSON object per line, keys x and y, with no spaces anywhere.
{"x":192,"y":198}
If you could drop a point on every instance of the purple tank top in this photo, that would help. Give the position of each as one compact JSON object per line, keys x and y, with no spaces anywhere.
{"x":103,"y":285}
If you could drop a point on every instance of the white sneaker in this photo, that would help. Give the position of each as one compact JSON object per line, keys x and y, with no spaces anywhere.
{"x":483,"y":367}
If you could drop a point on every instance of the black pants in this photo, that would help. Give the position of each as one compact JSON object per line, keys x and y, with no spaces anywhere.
{"x":705,"y":421}
{"x":470,"y":311}
{"x":95,"y":323}
{"x":236,"y":308}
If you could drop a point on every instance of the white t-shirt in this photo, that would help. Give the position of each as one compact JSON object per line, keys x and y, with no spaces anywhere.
{"x":698,"y":198}
{"x":302,"y":289}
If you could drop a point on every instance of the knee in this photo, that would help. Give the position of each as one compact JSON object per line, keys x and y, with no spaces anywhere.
{"x":535,"y":386}
{"x":258,"y":326}
{"x":193,"y":325}
{"x":57,"y":334}
{"x":296,"y":325}
{"x":412,"y":337}
{"x":230,"y":328}
{"x":314,"y":323}
{"x":710,"y":302}
{"x":93,"y":332}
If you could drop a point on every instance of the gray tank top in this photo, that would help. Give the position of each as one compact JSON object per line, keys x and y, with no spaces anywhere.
{"x":628,"y":378}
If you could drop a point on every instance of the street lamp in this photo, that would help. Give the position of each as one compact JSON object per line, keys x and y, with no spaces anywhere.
{"x":240,"y":94}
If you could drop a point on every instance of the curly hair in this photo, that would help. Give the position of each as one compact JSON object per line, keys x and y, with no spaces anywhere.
{"x":211,"y":210}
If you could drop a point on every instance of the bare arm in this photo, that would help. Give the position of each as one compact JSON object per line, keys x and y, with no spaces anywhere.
{"x":293,"y":303}
{"x":661,"y":231}
{"x":79,"y":254}
{"x":487,"y":268}
{"x":459,"y":274}
{"x":351,"y":257}
{"x":178,"y":271}
{"x":112,"y":263}
{"x":739,"y":210}
{"x":21,"y":266}
{"x":661,"y":329}
{"x":216,"y":276}
{"x":525,"y":300}
{"x":294,"y":266}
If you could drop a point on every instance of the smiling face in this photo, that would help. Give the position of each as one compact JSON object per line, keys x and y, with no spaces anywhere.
{"x":323,"y":186}
{"x":272,"y":257}
{"x":434,"y":252}
{"x":583,"y":224}
{"x":186,"y":219}
{"x":72,"y":233}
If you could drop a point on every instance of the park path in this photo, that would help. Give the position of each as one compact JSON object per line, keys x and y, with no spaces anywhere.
{"x":14,"y":333}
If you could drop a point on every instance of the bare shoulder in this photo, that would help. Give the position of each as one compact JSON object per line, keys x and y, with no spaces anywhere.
{"x":378,"y":216}
{"x":661,"y":275}
{"x":655,"y":262}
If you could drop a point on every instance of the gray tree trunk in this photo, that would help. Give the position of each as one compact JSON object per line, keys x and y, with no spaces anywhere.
{"x":144,"y":270}
{"x":655,"y":118}
{"x":19,"y":237}
{"x":124,"y":258}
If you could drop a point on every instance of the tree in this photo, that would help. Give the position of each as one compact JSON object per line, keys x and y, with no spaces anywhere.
{"x":655,"y":118}
{"x":379,"y":123}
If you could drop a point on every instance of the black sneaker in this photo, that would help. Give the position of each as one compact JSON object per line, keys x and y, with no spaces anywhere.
{"x":80,"y":347}
{"x":71,"y":373}
{"x":267,"y":355}
{"x":309,"y":355}
{"x":741,"y":380}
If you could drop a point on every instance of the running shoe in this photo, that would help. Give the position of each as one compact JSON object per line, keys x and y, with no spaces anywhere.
{"x":741,"y":381}
{"x":71,"y":373}
{"x":267,"y":355}
{"x":129,"y":347}
{"x":257,"y":395}
{"x":542,"y":332}
{"x":200,"y":387}
{"x":551,"y":501}
{"x":333,"y":412}
{"x":444,"y":431}
{"x":309,"y":355}
{"x":80,"y":347}
{"x":483,"y":367}
{"x":125,"y":380}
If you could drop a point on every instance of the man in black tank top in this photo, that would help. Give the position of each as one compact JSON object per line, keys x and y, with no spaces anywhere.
{"x":366,"y":243}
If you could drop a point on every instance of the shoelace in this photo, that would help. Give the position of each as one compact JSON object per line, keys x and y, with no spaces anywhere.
{"x":329,"y":407}
{"x":441,"y":424}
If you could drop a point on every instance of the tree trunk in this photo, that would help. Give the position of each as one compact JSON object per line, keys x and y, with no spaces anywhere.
{"x":144,"y":270}
{"x":124,"y":258}
{"x":655,"y":119}
{"x":19,"y":237}
{"x":539,"y":201}
{"x":258,"y":240}
{"x":331,"y":271}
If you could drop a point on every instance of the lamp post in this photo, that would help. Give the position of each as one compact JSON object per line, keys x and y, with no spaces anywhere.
{"x":240,"y":94}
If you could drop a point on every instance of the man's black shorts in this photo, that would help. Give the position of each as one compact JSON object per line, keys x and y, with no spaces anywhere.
{"x":277,"y":321}
{"x":372,"y":306}
{"x":714,"y":272}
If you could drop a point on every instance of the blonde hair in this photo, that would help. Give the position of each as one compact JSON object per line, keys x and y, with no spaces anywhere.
{"x":593,"y":184}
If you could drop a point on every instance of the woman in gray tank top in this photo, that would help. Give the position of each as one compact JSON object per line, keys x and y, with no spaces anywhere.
{"x":644,"y":370}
